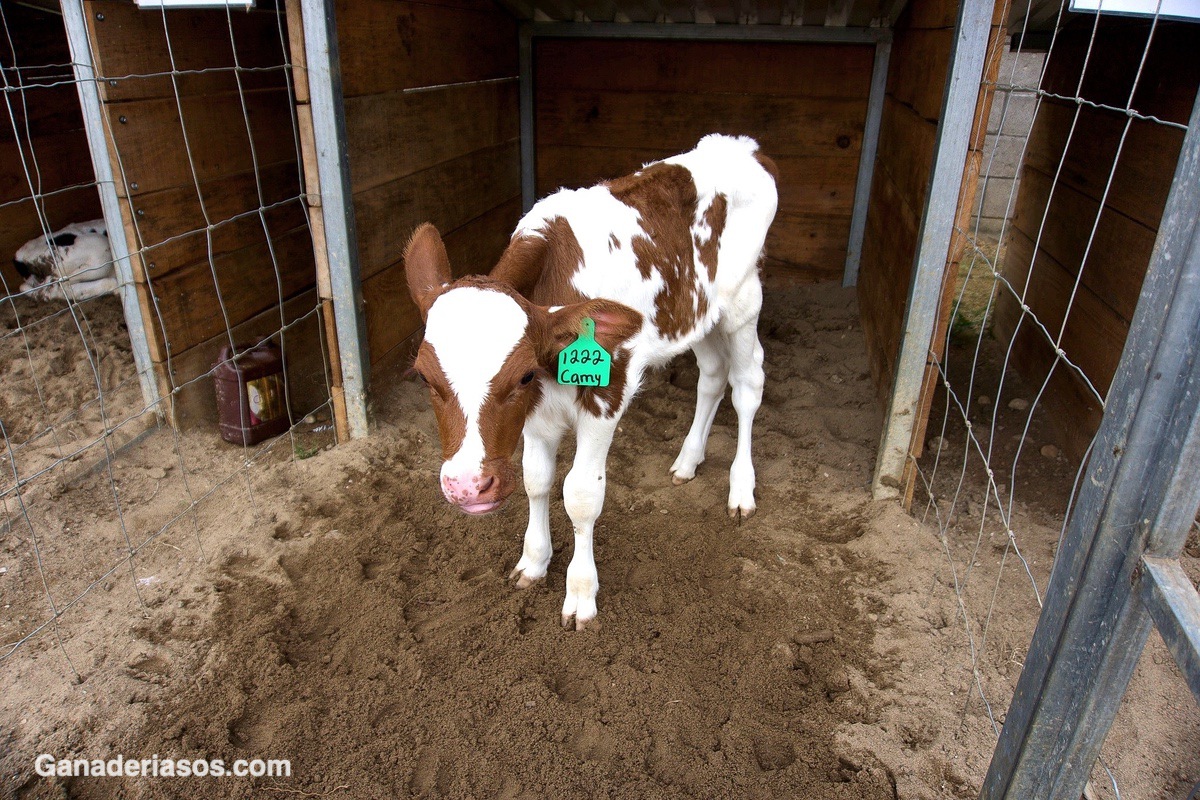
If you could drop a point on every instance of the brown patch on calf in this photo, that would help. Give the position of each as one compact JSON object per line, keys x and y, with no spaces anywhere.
{"x":507,"y":404}
{"x":520,"y":264}
{"x":604,"y":401}
{"x":541,"y":267}
{"x":664,"y":195}
{"x":768,"y":164}
{"x":452,"y":422}
{"x":488,"y":283}
{"x":714,"y":217}
{"x":426,"y":266}
{"x":616,"y":324}
{"x":509,"y":401}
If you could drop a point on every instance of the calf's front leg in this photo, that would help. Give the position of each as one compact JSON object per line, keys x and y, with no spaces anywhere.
{"x":537,"y":463}
{"x":583,"y":496}
{"x":85,"y":290}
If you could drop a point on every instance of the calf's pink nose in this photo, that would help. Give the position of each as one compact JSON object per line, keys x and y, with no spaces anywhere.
{"x":466,"y":489}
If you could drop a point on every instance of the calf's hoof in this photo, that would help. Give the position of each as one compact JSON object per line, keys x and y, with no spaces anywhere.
{"x":579,"y":623}
{"x":741,"y":503}
{"x":682,"y":471}
{"x":523,"y":580}
{"x":579,"y":606}
{"x":741,"y":513}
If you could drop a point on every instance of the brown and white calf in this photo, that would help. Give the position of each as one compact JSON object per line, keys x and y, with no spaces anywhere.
{"x":662,"y":260}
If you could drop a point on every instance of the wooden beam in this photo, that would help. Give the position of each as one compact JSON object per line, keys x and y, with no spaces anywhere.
{"x":138,"y":63}
{"x":764,"y":69}
{"x":996,"y":45}
{"x":783,"y":125}
{"x":195,"y":302}
{"x":150,"y":137}
{"x":172,"y":228}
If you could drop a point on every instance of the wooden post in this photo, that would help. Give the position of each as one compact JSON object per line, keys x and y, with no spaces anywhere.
{"x":326,"y":178}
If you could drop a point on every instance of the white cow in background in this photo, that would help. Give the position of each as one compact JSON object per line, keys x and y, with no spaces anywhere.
{"x":74,"y":262}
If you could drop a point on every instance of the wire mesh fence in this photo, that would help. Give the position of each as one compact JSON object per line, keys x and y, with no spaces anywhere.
{"x":113,"y":474}
{"x":1092,"y":110}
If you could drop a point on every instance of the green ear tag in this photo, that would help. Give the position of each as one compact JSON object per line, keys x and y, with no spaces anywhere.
{"x":584,"y":362}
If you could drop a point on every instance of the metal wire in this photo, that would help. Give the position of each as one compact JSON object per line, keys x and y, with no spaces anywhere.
{"x":102,"y":430}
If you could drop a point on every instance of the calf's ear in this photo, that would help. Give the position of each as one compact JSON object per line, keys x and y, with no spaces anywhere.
{"x":426,"y":266}
{"x":616,"y":324}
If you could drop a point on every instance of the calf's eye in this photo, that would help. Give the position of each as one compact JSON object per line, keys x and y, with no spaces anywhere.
{"x":528,"y":377}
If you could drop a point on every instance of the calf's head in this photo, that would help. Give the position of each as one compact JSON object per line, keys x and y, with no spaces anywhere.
{"x":486,"y":357}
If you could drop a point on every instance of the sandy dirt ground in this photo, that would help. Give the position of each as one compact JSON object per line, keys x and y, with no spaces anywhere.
{"x":54,"y":362}
{"x":325,"y":605}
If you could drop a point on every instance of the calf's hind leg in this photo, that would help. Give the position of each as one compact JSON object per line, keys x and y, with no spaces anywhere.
{"x":86,"y":290}
{"x":746,"y":378}
{"x":712,"y":359}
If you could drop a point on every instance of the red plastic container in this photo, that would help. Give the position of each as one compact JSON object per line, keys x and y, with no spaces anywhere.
{"x":250,"y":397}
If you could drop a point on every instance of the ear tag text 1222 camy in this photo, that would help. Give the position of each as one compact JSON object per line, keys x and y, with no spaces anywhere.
{"x":584,"y":362}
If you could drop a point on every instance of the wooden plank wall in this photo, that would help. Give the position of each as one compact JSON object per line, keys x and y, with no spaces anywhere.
{"x":605,"y":107}
{"x":433,"y":132}
{"x":209,"y":187}
{"x":1080,"y":145}
{"x":912,"y":106}
{"x":43,"y":136}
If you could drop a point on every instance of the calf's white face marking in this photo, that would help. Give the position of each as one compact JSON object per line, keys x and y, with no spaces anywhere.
{"x":470,"y":358}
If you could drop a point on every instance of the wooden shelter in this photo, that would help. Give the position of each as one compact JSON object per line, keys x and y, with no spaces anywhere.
{"x":460,"y":113}
{"x":476,"y":108}
{"x":316,"y":135}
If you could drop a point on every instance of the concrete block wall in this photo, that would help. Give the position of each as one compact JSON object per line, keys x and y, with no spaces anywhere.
{"x":1008,"y":128}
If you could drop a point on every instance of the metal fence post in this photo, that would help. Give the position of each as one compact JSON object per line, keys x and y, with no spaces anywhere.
{"x":93,"y":118}
{"x":866,"y":163}
{"x":528,"y":152}
{"x":1138,"y":499}
{"x":337,"y":209}
{"x":937,"y":226}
